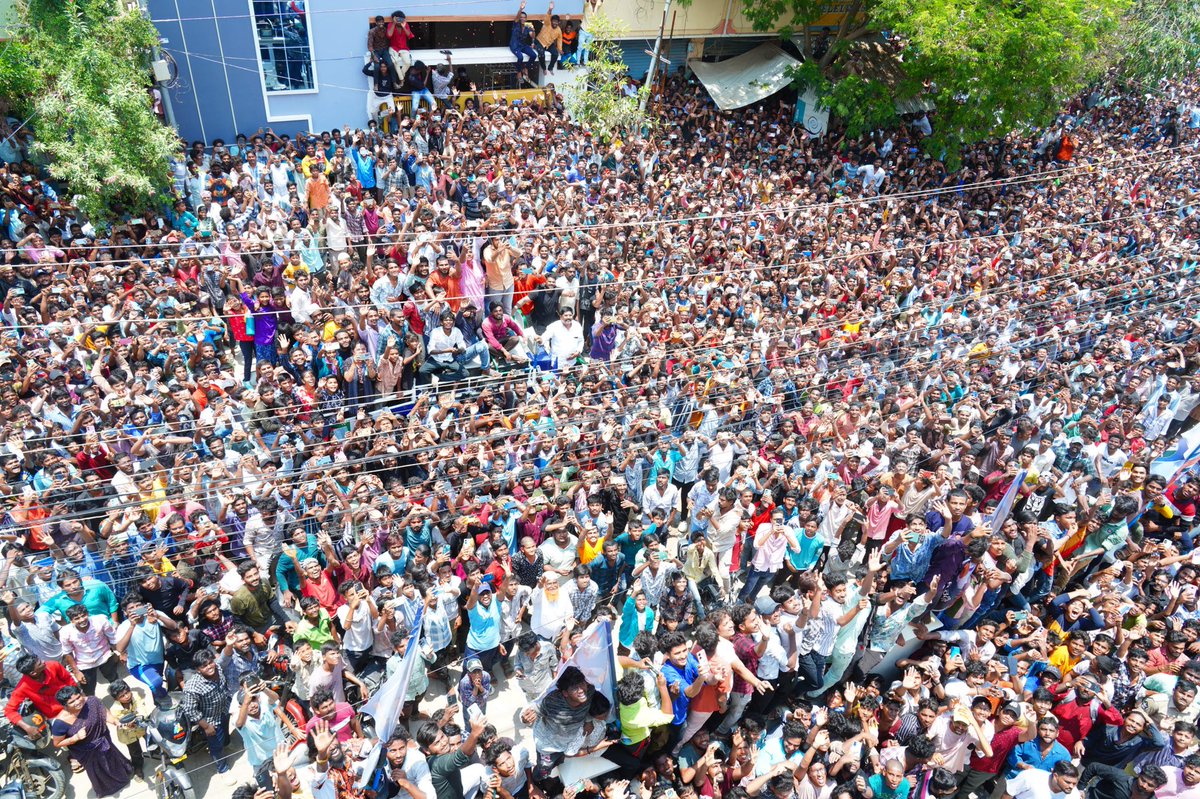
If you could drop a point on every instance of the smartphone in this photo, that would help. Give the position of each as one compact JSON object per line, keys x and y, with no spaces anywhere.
{"x":452,"y":700}
{"x":955,"y":652}
{"x":1020,"y":615}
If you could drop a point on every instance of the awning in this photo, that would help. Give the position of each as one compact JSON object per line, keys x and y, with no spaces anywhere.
{"x":747,"y":78}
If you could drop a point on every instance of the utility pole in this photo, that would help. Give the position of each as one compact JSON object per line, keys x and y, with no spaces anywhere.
{"x":662,"y":26}
{"x":157,"y":66}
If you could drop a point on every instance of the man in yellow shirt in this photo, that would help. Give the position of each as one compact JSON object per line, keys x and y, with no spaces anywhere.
{"x":1067,"y":657}
{"x":549,"y":40}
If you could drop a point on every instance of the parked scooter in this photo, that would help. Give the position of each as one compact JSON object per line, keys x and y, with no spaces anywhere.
{"x":169,"y":735}
{"x":27,"y":761}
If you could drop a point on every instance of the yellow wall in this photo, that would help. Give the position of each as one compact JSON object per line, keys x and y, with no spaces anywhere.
{"x":704,"y":18}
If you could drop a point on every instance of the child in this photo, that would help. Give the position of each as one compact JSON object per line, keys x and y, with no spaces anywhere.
{"x":125,"y":702}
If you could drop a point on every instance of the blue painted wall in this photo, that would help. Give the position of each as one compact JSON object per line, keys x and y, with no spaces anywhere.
{"x":219,"y":91}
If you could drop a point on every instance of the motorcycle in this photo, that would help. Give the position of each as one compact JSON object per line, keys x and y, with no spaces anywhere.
{"x":170,"y":737}
{"x":25,"y":763}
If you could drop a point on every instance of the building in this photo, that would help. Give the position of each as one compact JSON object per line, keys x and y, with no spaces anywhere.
{"x":296,"y":65}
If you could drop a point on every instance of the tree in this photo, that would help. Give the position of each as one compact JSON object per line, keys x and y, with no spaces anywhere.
{"x":1157,"y":39}
{"x":599,"y":102}
{"x":79,"y":71}
{"x":989,"y":67}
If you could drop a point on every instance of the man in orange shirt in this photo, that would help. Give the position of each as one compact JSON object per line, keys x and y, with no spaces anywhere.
{"x":446,"y":275}
{"x":523,"y":287}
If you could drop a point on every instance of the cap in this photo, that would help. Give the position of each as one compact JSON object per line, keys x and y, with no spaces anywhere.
{"x":765,"y":605}
{"x":473,"y":664}
{"x":484,"y":588}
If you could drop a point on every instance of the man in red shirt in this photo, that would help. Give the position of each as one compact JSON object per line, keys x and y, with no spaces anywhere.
{"x":39,"y":685}
{"x":399,"y":35}
{"x":1080,"y":713}
{"x":1009,"y":733}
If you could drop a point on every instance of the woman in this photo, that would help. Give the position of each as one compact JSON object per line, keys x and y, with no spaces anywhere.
{"x":83,"y":726}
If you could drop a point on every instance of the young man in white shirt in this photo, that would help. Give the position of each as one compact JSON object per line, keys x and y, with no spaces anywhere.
{"x":1059,"y":783}
{"x":446,"y":346}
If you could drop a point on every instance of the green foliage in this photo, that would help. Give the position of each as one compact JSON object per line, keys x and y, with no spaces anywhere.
{"x":862,"y":105}
{"x":599,"y":103}
{"x":1157,"y":39}
{"x":79,"y":69}
{"x":997,"y":67}
{"x":989,"y":67}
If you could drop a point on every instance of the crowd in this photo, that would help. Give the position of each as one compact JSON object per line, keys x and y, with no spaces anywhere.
{"x":855,"y":455}
{"x":538,"y":48}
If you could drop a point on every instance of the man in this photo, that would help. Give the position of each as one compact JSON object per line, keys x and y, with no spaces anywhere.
{"x":1180,"y":705}
{"x":1012,"y":729}
{"x":447,"y":351}
{"x":662,"y":496}
{"x":1042,"y":753}
{"x":484,"y":614}
{"x":684,"y":679}
{"x":474,"y":689}
{"x":1058,"y":783}
{"x":1102,"y":781}
{"x":339,"y":717}
{"x":536,"y":665}
{"x":206,"y":701}
{"x":405,"y":772}
{"x":445,"y":766}
{"x":39,"y":683}
{"x":87,"y":643}
{"x":94,"y":595}
{"x":261,"y":731}
{"x":563,"y":339}
{"x":254,"y":603}
{"x":38,"y":631}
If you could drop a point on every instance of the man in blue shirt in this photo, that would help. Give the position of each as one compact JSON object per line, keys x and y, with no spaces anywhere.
{"x":1040,"y":753}
{"x":483,"y":639}
{"x":682,"y":672}
{"x":911,"y":552}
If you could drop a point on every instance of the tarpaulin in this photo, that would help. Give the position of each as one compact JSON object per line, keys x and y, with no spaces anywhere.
{"x":747,"y":78}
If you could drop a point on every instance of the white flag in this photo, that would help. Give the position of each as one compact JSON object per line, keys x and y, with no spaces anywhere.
{"x":385,"y":704}
{"x":596,"y":658}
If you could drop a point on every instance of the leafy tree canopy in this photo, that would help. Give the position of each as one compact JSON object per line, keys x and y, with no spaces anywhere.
{"x":989,"y":66}
{"x":599,"y":102}
{"x":79,"y":71}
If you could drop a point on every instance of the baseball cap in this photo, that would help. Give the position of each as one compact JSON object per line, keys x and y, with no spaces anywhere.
{"x":765,"y":605}
{"x":473,"y":664}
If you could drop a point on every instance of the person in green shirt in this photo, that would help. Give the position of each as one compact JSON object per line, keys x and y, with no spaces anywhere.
{"x":638,"y":717}
{"x":94,"y":595}
{"x":630,"y":541}
{"x":252,"y":603}
{"x":315,"y":625}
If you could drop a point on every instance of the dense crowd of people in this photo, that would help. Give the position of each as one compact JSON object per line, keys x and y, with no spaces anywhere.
{"x":855,"y":454}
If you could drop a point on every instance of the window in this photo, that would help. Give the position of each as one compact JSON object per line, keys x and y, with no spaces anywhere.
{"x":284,"y":45}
